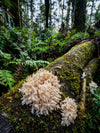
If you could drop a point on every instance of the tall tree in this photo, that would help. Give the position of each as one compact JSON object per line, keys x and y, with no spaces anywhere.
{"x":91,"y":11}
{"x":80,"y":15}
{"x":68,"y":14}
{"x":31,"y":9}
{"x":73,"y":11}
{"x":50,"y":16}
{"x":47,"y":12}
{"x":16,"y":12}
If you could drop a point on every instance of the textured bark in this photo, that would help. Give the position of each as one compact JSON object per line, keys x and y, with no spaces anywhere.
{"x":68,"y":15}
{"x":80,"y":15}
{"x":47,"y":11}
{"x":91,"y":68}
{"x":16,"y":13}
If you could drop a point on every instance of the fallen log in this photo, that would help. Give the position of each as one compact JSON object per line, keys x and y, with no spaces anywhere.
{"x":69,"y":69}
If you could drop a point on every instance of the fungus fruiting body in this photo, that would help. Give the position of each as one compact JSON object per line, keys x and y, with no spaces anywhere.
{"x":69,"y":111}
{"x":92,"y":85}
{"x":41,"y":91}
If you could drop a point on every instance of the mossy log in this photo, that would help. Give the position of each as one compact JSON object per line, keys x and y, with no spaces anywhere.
{"x":68,"y":68}
{"x":91,"y":68}
{"x":89,"y":71}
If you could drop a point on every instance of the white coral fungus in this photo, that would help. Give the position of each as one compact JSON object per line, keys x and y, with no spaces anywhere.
{"x":41,"y":91}
{"x":69,"y":111}
{"x":92,"y":85}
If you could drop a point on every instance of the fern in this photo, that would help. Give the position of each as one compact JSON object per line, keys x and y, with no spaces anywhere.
{"x":41,"y":63}
{"x":6,"y":78}
{"x":5,"y":56}
{"x":36,"y":64}
{"x":31,"y":63}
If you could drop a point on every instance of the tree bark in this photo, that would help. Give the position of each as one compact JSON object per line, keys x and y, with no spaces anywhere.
{"x":15,"y":12}
{"x":68,"y":15}
{"x":31,"y":7}
{"x":91,"y":12}
{"x":80,"y":15}
{"x":47,"y":12}
{"x":73,"y":11}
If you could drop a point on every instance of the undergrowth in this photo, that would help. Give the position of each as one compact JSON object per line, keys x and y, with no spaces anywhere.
{"x":22,"y":51}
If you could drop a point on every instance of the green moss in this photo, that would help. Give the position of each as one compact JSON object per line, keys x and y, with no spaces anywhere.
{"x":68,"y":68}
{"x":72,"y":65}
{"x":91,"y":69}
{"x":22,"y":120}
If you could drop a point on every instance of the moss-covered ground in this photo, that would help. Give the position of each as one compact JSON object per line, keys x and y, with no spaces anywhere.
{"x":68,"y":68}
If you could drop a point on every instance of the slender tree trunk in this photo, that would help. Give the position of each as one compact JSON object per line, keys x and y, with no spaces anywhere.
{"x":47,"y":12}
{"x":31,"y":7}
{"x":19,"y":13}
{"x":91,"y":11}
{"x":62,"y":10}
{"x":68,"y":14}
{"x":50,"y":13}
{"x":15,"y":12}
{"x":73,"y":11}
{"x":80,"y":15}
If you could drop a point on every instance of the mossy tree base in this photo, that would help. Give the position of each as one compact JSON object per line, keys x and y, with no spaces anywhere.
{"x":69,"y":69}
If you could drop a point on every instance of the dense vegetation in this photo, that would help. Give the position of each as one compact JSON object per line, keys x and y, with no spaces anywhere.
{"x":33,"y":34}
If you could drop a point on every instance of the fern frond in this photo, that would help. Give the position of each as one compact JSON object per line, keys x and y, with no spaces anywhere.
{"x":5,"y":55}
{"x":36,"y":63}
{"x":6,"y":78}
{"x":31,"y":63}
{"x":41,"y":63}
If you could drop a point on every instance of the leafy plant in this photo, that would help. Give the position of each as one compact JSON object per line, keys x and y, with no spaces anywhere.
{"x":6,"y":78}
{"x":97,"y":33}
{"x":95,"y":114}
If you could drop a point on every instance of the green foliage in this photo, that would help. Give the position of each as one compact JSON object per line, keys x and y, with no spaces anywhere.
{"x":78,"y":36}
{"x":97,"y":33}
{"x":6,"y":78}
{"x":33,"y":51}
{"x":20,"y":47}
{"x":95,"y":114}
{"x":35,"y":64}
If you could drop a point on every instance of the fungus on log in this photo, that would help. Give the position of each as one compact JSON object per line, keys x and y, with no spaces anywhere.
{"x":68,"y":68}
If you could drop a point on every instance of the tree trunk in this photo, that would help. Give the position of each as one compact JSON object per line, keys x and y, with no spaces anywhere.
{"x":50,"y":13}
{"x":19,"y":13}
{"x":62,"y":11}
{"x":73,"y":11}
{"x":47,"y":12}
{"x":15,"y":12}
{"x":91,"y":12}
{"x":80,"y":15}
{"x":31,"y":7}
{"x":68,"y":15}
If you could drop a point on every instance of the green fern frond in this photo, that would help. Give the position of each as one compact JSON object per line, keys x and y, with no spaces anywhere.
{"x":6,"y":78}
{"x":5,"y":55}
{"x":41,"y":63}
{"x":36,"y":64}
{"x":31,"y":63}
